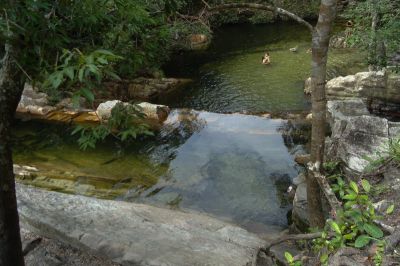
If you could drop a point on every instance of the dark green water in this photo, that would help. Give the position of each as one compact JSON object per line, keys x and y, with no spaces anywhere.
{"x":229,"y":77}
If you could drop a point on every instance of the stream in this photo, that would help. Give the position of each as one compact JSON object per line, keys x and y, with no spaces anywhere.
{"x":220,"y":160}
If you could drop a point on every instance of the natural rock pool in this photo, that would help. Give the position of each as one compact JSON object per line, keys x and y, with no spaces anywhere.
{"x":229,"y":77}
{"x":233,"y":166}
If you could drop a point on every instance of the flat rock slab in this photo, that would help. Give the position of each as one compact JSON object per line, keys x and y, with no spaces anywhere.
{"x":136,"y":234}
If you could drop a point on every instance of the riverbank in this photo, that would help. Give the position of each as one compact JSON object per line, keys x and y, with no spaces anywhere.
{"x":361,"y":144}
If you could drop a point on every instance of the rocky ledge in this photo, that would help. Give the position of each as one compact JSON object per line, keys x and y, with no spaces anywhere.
{"x":357,"y":136}
{"x":35,"y":105}
{"x":135,"y":234}
{"x":380,"y":90}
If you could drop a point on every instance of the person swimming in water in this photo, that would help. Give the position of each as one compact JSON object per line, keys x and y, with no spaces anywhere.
{"x":266,"y":59}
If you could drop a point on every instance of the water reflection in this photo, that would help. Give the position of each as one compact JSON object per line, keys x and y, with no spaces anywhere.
{"x":233,"y":166}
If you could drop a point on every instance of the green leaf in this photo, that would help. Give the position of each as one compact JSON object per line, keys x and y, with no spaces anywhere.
{"x":113,"y":75}
{"x":102,"y":60}
{"x":335,"y":227}
{"x":289,"y":257}
{"x":56,"y":79}
{"x":362,"y":241}
{"x":69,"y":72}
{"x":88,"y":94}
{"x":324,"y":258}
{"x":373,"y":230}
{"x":390,"y":209}
{"x":80,"y":74}
{"x":77,"y":129}
{"x":93,"y":68}
{"x":350,"y":196}
{"x":366,"y":186}
{"x":349,"y":204}
{"x":349,"y":236}
{"x":353,"y":186}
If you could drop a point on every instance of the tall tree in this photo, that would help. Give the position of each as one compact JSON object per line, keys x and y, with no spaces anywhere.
{"x":11,"y":87}
{"x":320,"y":46}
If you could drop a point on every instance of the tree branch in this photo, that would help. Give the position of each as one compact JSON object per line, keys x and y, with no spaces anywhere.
{"x":291,"y":237}
{"x":329,"y":194}
{"x":273,"y":9}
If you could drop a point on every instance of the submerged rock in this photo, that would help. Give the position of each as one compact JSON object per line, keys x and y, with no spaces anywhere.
{"x":136,"y":234}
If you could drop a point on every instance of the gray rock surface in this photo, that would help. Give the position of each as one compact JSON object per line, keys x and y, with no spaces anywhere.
{"x":151,"y":111}
{"x":374,"y":84}
{"x":356,"y":134}
{"x":136,"y":234}
{"x":300,"y":206}
{"x":33,"y":102}
{"x":41,"y":251}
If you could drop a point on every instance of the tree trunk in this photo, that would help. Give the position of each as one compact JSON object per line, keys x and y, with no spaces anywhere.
{"x":320,"y":46}
{"x":11,"y":87}
{"x":373,"y":45}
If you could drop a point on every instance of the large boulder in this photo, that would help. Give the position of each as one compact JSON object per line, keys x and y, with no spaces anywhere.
{"x":357,"y":135}
{"x":135,"y":234}
{"x":369,"y":85}
{"x":151,"y":111}
{"x":33,"y":103}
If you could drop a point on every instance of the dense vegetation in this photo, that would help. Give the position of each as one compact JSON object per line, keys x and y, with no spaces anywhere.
{"x":142,"y":32}
{"x":376,"y":29}
{"x":139,"y":31}
{"x":73,"y":44}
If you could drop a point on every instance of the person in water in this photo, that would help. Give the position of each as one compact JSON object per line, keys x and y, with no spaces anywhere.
{"x":266,"y":59}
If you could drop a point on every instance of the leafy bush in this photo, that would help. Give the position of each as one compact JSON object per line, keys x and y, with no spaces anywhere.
{"x":387,"y":30}
{"x":81,"y":73}
{"x":291,"y":261}
{"x":354,"y":224}
{"x":394,"y":150}
{"x":125,"y":124}
{"x":137,"y":30}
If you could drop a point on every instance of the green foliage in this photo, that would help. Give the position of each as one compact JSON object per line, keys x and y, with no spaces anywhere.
{"x":354,"y":224}
{"x":378,"y":257}
{"x":137,"y":30}
{"x":387,"y":31}
{"x":125,"y":124}
{"x":394,"y":149}
{"x":81,"y":73}
{"x":291,"y":261}
{"x":391,"y":152}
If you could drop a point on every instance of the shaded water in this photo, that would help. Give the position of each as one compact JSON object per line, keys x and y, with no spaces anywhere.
{"x":236,"y":167}
{"x":229,"y":77}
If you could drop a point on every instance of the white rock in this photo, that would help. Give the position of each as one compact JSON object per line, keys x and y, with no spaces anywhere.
{"x":104,"y":109}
